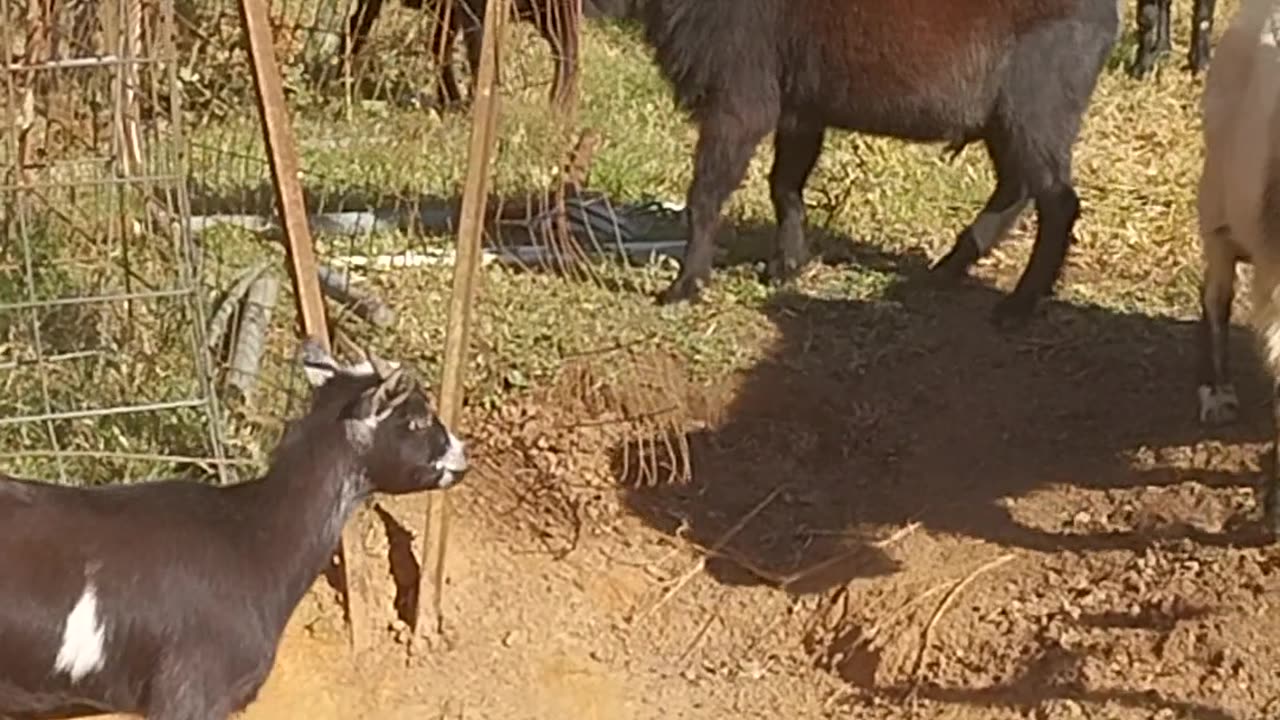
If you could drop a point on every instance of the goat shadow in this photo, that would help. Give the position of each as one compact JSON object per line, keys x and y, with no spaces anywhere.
{"x":873,"y":414}
{"x":400,"y":562}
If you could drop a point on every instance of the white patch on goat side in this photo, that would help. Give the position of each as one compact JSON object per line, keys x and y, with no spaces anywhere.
{"x":82,"y":650}
{"x":453,"y":463}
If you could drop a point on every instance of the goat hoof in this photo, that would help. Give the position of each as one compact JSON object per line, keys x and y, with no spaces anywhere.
{"x":782,"y":270}
{"x":683,"y":289}
{"x":1144,"y":62}
{"x":956,"y":263}
{"x":1218,"y":404}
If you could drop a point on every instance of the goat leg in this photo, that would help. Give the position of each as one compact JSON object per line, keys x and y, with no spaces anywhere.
{"x":1201,"y":29}
{"x":358,"y":26}
{"x":796,"y":150}
{"x":1164,"y":44}
{"x":993,"y":222}
{"x":446,"y":25}
{"x":1216,"y":393}
{"x":1057,"y":209}
{"x":1271,"y":479}
{"x":1149,"y":20}
{"x":726,"y":141}
{"x":559,"y":27}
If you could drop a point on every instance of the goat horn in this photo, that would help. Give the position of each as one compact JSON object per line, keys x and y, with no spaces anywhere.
{"x":397,"y":400}
{"x":380,"y":366}
{"x":385,"y":387}
{"x":384,"y":407}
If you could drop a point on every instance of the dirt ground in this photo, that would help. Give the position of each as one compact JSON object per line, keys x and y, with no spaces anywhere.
{"x":904,"y":513}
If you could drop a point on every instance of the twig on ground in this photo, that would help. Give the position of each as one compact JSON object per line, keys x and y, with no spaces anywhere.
{"x":927,"y":635}
{"x":897,"y":536}
{"x":713,"y":550}
{"x":701,"y":635}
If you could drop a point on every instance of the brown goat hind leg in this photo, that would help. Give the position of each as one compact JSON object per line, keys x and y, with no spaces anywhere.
{"x":1164,"y":42}
{"x":1216,"y":395}
{"x":1266,"y":322}
{"x":726,"y":142}
{"x":1057,"y":209}
{"x":1150,"y":16}
{"x":796,"y":151}
{"x":1201,"y":30}
{"x":1006,"y":203}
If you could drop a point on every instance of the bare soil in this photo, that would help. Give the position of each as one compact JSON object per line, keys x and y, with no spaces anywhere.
{"x":904,"y":513}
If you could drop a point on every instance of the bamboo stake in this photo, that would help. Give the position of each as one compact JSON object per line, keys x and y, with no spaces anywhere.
{"x":470,"y":234}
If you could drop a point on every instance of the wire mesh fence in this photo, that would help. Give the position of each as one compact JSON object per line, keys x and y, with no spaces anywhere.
{"x":101,"y":314}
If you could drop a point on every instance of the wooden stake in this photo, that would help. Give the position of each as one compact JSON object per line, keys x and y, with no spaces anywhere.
{"x":282,"y":154}
{"x":470,"y":235}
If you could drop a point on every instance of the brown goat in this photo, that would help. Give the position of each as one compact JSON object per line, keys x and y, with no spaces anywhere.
{"x":1015,"y":74}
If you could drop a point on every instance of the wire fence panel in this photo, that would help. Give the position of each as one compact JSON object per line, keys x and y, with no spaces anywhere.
{"x":102,"y":359}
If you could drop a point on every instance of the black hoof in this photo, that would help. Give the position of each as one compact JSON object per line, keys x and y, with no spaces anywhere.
{"x":683,"y":289}
{"x":782,"y":271}
{"x":1138,"y":71}
{"x":1144,"y":63}
{"x":956,"y":263}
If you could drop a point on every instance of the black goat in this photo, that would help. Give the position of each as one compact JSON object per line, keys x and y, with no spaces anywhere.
{"x":1016,"y":74}
{"x":168,"y":599}
{"x":1153,"y":35}
{"x":556,"y":20}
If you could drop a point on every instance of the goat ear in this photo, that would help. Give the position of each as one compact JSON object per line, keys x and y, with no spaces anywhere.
{"x":318,"y":365}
